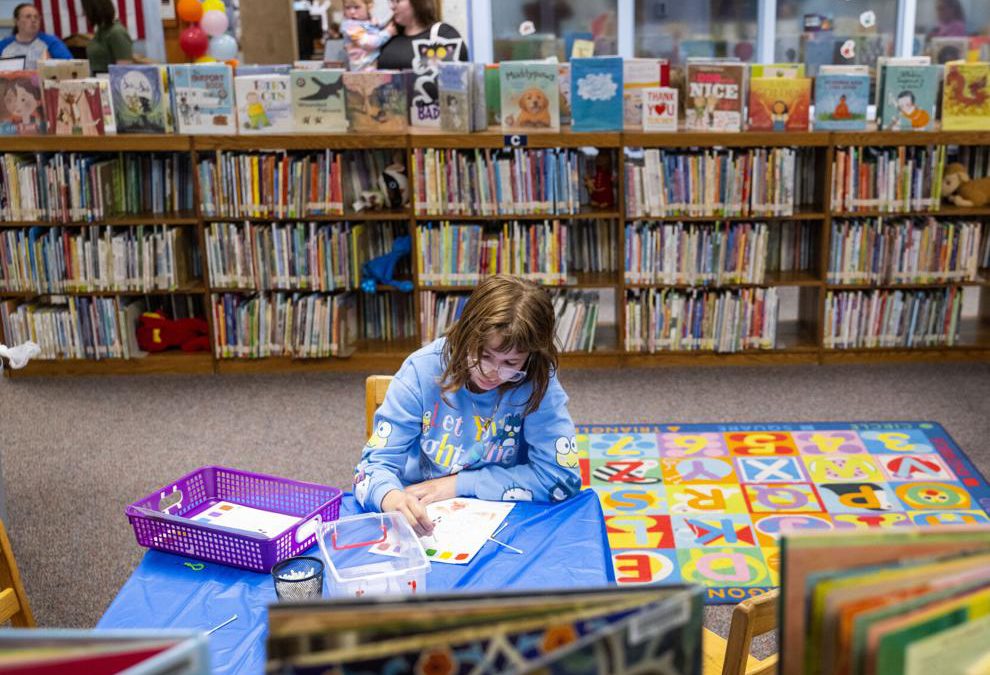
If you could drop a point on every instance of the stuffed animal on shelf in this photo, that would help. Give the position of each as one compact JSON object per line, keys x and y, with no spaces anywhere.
{"x":961,"y":191}
{"x":394,"y":192}
{"x":601,"y":194}
{"x":381,"y":270}
{"x":156,"y":333}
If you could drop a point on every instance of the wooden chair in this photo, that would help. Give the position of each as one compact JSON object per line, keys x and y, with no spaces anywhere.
{"x":374,"y":395}
{"x":750,"y":618}
{"x":14,"y":605}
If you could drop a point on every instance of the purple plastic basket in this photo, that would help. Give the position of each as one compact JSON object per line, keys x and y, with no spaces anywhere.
{"x":159,"y":519}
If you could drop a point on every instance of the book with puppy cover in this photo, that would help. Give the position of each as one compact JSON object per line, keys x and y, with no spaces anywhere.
{"x":714,"y":96}
{"x":530,"y":96}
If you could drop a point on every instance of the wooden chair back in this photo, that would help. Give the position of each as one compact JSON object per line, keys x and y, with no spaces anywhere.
{"x":14,"y":605}
{"x":750,"y":618}
{"x":374,"y":395}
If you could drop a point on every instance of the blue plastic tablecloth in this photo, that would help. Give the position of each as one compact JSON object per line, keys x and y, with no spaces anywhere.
{"x":565,"y":546}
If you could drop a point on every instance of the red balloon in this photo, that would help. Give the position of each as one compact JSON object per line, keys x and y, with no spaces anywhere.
{"x":194,"y":42}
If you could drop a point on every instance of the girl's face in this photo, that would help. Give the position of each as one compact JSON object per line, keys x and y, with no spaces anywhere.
{"x":497,"y":367}
{"x":356,"y":11}
{"x":402,"y":12}
{"x":20,"y":102}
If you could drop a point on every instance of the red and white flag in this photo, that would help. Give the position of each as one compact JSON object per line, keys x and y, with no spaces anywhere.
{"x":63,"y":18}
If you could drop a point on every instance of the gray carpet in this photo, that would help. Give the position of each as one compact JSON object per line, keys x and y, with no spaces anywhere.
{"x":77,"y":451}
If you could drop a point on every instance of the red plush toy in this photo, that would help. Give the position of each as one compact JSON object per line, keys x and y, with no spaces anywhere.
{"x":156,"y":332}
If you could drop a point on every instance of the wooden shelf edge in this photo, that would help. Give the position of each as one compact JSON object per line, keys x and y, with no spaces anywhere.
{"x":165,"y":363}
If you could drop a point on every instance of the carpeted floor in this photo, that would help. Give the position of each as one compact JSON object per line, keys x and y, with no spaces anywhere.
{"x":76,"y":451}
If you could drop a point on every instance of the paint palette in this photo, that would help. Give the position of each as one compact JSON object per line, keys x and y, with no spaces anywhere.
{"x":244,"y":518}
{"x":461,"y":526}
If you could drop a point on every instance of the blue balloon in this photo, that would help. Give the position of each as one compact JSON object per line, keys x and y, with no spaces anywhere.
{"x":223,"y":47}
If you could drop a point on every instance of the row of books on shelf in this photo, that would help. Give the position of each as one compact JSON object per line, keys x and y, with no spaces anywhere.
{"x":78,"y":187}
{"x":722,"y":321}
{"x":888,"y":179}
{"x":909,"y":250}
{"x":892,"y":318}
{"x":731,"y":182}
{"x":97,"y":258}
{"x":459,"y":255}
{"x":297,"y":325}
{"x":674,"y":253}
{"x":502,"y":182}
{"x":387,"y":317}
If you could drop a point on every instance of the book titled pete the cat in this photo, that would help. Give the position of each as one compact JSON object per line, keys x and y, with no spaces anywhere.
{"x":203,"y":98}
{"x":530,"y":96}
{"x":318,"y":101}
{"x":596,"y":93}
{"x":264,"y":104}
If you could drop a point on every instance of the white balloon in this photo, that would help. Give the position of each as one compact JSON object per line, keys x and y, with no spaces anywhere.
{"x":214,"y":23}
{"x":223,"y":47}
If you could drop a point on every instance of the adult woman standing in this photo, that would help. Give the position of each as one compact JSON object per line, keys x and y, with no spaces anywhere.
{"x":420,"y":44}
{"x":111,"y":42}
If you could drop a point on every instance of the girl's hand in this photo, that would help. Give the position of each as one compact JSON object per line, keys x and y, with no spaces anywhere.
{"x":411,"y":507}
{"x":434,"y":490}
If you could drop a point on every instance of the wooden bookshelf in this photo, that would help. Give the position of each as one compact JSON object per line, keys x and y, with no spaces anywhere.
{"x":799,"y":341}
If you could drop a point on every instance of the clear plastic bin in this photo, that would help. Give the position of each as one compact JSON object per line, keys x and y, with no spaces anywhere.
{"x":373,"y":554}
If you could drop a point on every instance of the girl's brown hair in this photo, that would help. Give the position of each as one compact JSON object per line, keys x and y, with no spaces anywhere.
{"x":519,"y":315}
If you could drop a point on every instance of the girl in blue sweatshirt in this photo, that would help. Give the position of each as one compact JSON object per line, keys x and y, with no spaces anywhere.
{"x":479,"y":413}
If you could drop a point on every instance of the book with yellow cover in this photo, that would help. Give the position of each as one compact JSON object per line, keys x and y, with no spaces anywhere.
{"x":779,"y":103}
{"x":966,"y":96}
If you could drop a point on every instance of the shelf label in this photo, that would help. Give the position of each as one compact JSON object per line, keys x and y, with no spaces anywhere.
{"x":516,"y":140}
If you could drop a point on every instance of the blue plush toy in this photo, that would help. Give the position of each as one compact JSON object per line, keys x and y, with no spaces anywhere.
{"x":380,"y":270}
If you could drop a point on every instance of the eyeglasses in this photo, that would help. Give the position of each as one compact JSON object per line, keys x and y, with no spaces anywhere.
{"x":488,"y":369}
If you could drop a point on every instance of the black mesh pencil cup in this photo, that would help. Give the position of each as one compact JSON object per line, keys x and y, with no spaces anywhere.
{"x":299,"y":578}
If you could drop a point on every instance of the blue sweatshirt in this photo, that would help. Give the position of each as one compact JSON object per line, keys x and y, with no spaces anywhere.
{"x":496,"y":451}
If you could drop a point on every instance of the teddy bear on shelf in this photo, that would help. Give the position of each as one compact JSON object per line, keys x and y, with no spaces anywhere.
{"x":958,"y":188}
{"x":156,"y":333}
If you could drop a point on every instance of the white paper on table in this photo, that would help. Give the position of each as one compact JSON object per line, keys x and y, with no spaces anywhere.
{"x":461,"y":526}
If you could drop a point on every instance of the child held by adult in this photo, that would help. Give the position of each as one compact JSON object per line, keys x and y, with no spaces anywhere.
{"x":363,"y":38}
{"x":478,"y":413}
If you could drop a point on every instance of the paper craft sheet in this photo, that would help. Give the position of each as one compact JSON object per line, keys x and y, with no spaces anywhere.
{"x":461,"y":526}
{"x":245,"y":518}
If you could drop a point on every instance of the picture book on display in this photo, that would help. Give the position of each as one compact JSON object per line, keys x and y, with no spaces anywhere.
{"x":966,"y":96}
{"x":203,"y":98}
{"x":63,"y":69}
{"x":596,"y":94}
{"x":376,"y":101}
{"x":776,"y":70}
{"x":22,"y":111}
{"x":564,"y":86}
{"x":74,"y":107}
{"x":714,"y":96}
{"x":530,"y":96}
{"x":318,"y":100}
{"x":264,"y":104}
{"x":840,"y":100}
{"x":455,"y":83}
{"x":660,"y":109}
{"x":493,"y":94}
{"x":638,"y":75}
{"x":595,"y":630}
{"x":61,"y":650}
{"x":908,"y":94}
{"x":886,"y":601}
{"x":779,"y":103}
{"x":140,"y":99}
